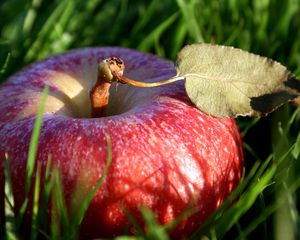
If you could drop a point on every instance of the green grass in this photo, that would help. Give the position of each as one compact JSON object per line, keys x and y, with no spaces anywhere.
{"x":65,"y":226}
{"x":267,"y":204}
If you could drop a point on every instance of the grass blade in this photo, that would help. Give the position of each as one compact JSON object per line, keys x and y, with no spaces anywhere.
{"x":5,"y":64}
{"x":34,"y":140}
{"x":35,"y":206}
{"x":188,"y":12}
{"x":85,"y":204}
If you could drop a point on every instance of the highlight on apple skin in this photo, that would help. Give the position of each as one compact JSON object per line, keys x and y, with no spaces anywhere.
{"x":167,"y":155}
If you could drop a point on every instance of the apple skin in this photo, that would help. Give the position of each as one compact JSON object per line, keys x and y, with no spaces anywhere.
{"x":166,"y":154}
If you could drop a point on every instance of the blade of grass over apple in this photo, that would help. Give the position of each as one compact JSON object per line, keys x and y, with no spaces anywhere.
{"x":187,"y":213}
{"x":59,"y":215}
{"x":251,"y":187}
{"x":151,"y":221}
{"x":227,"y":219}
{"x":153,"y":230}
{"x":52,"y":187}
{"x":34,"y":140}
{"x":77,"y":219}
{"x":139,"y":229}
{"x":255,"y":171}
{"x":48,"y":188}
{"x":8,"y":223}
{"x":35,"y":205}
{"x":18,"y":218}
{"x":31,"y":159}
{"x":68,"y":224}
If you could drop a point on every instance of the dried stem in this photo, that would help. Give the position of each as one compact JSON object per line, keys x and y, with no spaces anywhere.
{"x":111,"y":70}
{"x":153,"y":84}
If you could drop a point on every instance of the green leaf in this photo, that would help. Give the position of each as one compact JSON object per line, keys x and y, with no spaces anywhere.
{"x":228,"y":82}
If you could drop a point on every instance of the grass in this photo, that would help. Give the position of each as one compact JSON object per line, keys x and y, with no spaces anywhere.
{"x":267,"y":203}
{"x":65,"y":226}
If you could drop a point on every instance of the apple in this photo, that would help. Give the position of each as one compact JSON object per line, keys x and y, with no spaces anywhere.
{"x":167,"y":155}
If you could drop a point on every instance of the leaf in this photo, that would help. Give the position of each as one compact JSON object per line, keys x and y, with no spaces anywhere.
{"x":229,"y":82}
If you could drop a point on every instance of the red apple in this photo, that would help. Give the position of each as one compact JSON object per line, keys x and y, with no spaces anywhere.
{"x":166,"y":154}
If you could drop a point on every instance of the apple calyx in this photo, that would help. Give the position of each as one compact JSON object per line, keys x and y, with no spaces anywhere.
{"x":111,"y":70}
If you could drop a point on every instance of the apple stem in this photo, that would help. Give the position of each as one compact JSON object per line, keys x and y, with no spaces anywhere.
{"x":111,"y":70}
{"x":99,"y":94}
{"x":152,"y":84}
